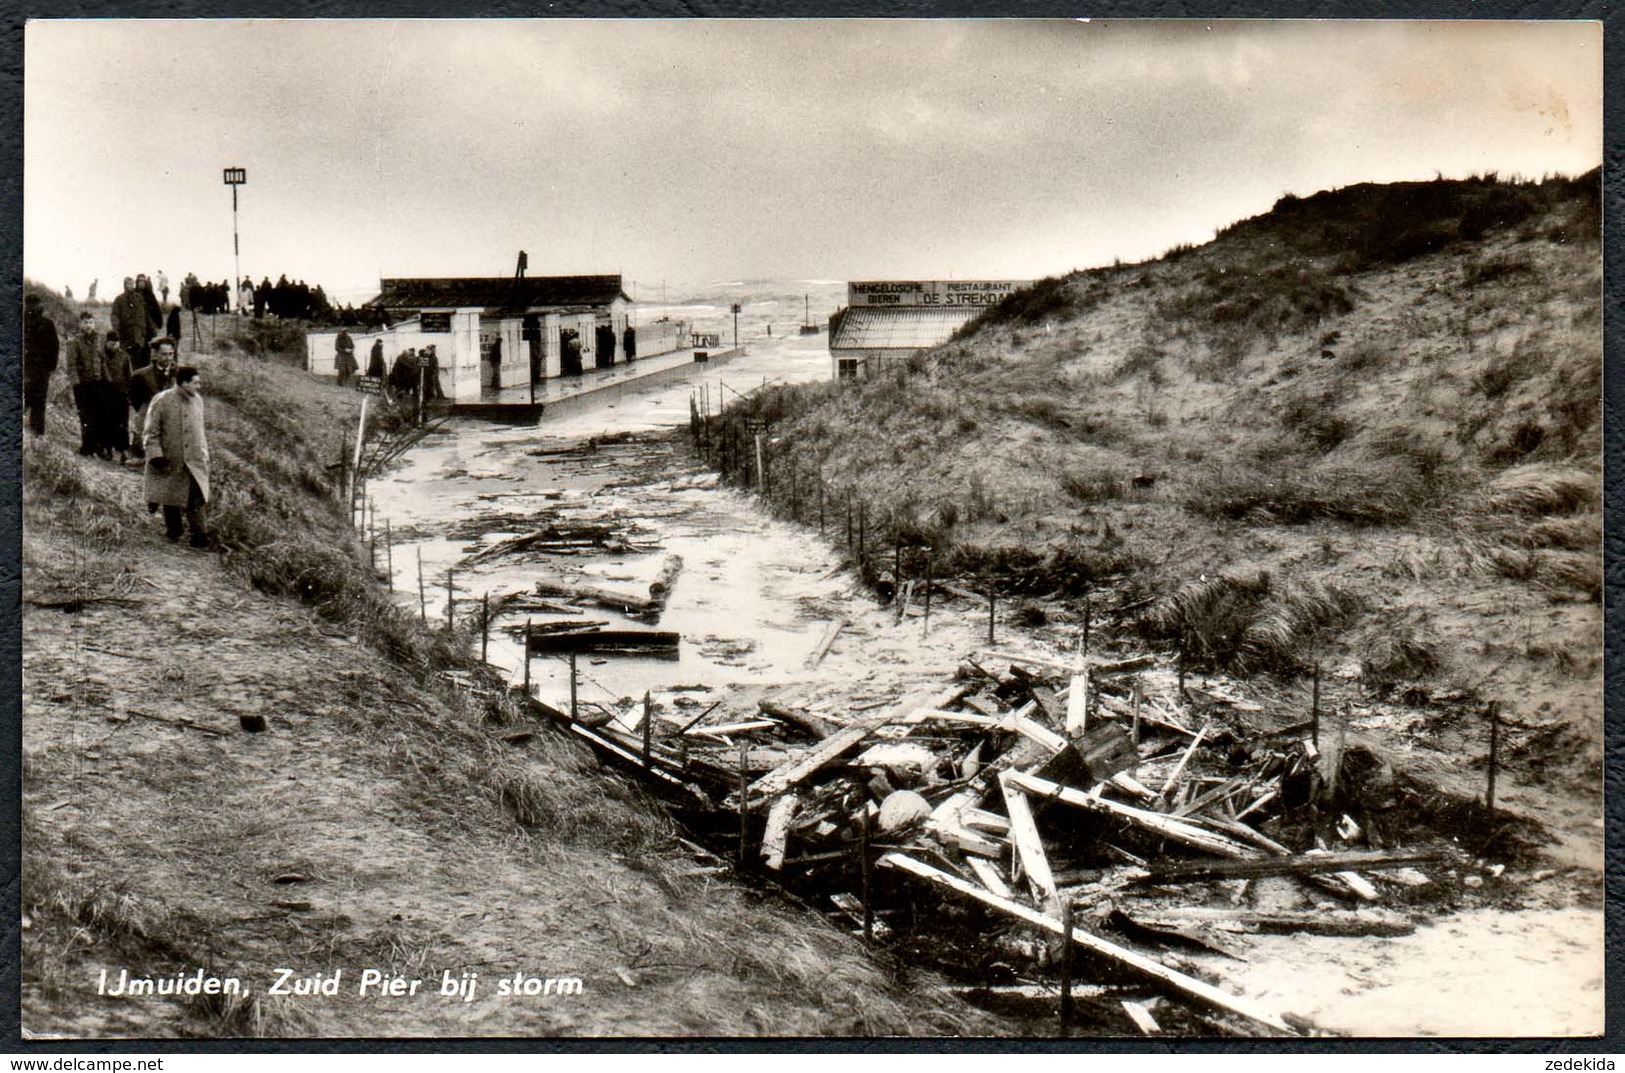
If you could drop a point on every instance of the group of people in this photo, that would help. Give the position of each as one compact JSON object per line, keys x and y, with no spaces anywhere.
{"x":113,"y":373}
{"x":412,"y":370}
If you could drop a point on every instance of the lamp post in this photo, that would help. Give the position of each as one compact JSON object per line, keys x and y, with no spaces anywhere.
{"x":234,"y":178}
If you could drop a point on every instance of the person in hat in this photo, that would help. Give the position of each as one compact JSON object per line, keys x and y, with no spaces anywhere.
{"x":344,"y":357}
{"x":177,"y":450}
{"x":115,"y":418}
{"x":134,"y":324}
{"x":41,"y":347}
{"x":147,"y":382}
{"x":86,"y":374}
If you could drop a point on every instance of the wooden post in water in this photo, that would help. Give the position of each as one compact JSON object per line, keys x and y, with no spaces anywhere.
{"x":423,"y":599}
{"x":648,"y":727}
{"x":389,"y":555}
{"x":451,"y":623}
{"x":992,"y":610}
{"x":1068,"y":913}
{"x":1495,"y":756}
{"x":485,"y":624}
{"x":527,"y":659}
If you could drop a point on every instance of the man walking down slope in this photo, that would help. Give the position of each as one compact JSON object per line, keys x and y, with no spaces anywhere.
{"x":177,"y":446}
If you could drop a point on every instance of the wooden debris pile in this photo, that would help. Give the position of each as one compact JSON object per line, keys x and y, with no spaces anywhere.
{"x":1081,"y":803}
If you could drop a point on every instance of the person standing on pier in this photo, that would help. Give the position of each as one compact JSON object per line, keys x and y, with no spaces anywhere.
{"x":375,"y":360}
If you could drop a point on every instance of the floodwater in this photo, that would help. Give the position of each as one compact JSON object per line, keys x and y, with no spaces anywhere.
{"x":755,"y":594}
{"x":754,"y":599}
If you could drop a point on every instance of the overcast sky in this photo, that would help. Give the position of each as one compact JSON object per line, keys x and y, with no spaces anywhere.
{"x":712,"y":150}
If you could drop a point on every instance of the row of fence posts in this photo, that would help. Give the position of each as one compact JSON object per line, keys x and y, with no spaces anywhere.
{"x":748,"y":458}
{"x":364,"y":519}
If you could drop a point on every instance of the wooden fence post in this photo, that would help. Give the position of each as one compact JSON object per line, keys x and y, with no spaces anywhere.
{"x":423,"y":599}
{"x":527,"y":657}
{"x":1068,"y":915}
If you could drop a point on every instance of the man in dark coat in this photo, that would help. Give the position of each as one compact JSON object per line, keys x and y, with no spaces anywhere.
{"x":172,"y":327}
{"x":431,"y":375}
{"x":135,"y":326}
{"x":40,"y":351}
{"x":177,"y":451}
{"x":344,"y":357}
{"x":89,"y":380}
{"x":375,"y":360}
{"x":115,"y":421}
{"x":147,"y":382}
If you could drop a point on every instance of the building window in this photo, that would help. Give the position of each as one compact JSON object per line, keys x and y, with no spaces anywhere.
{"x":846,"y":368}
{"x":434,"y":322}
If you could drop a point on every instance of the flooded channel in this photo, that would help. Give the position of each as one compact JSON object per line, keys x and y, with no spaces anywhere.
{"x":753,"y":601}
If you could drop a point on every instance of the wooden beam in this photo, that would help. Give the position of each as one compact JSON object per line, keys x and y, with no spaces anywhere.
{"x":1024,"y":833}
{"x":1077,"y":705}
{"x":1302,"y":864}
{"x":778,"y":830}
{"x":988,"y":873}
{"x":825,"y":642}
{"x":1178,"y":981}
{"x":810,"y":761}
{"x":1176,"y":830}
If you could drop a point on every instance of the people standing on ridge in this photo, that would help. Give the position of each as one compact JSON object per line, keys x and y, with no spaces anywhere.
{"x":172,"y":326}
{"x":133,"y":324}
{"x":40,"y":351}
{"x":344,"y":357}
{"x":115,"y":421}
{"x":245,"y":298}
{"x":163,"y":286}
{"x":146,"y":383}
{"x":403,"y":378}
{"x":177,"y":451}
{"x":86,"y":372}
{"x":375,"y":360}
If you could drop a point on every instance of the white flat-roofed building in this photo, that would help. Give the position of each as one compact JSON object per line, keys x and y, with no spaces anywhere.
{"x":889,"y":320}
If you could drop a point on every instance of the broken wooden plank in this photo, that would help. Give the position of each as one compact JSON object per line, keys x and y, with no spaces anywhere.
{"x":988,"y":873}
{"x":1186,"y":985}
{"x":825,"y":752}
{"x":1141,"y":1016}
{"x":1024,"y":833}
{"x":1338,"y":922}
{"x":1177,"y":830}
{"x":812,"y":724}
{"x":778,"y":830}
{"x":1077,"y":705}
{"x":1179,"y":769}
{"x":824,"y":643}
{"x":734,"y":728}
{"x":1300,"y":864}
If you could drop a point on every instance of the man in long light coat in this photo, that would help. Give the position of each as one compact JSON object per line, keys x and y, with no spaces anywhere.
{"x":177,"y":475}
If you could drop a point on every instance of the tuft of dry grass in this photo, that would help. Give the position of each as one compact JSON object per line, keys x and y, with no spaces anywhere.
{"x":1543,"y":488}
{"x":1247,"y":622}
